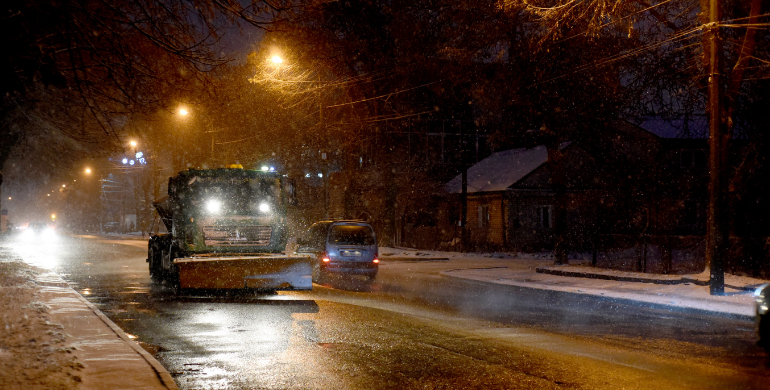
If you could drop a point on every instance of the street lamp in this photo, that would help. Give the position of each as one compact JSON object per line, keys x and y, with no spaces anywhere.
{"x":93,"y":218}
{"x":179,"y":157}
{"x":276,"y":60}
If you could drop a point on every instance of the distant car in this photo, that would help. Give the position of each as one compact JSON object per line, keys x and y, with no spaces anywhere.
{"x":762,"y":305}
{"x":346,"y":247}
{"x":38,"y":230}
{"x":37,"y":226}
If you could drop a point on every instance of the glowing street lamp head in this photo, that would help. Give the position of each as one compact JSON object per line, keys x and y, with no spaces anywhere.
{"x":183,"y":112}
{"x":133,"y":143}
{"x":276,"y":60}
{"x":88,"y":171}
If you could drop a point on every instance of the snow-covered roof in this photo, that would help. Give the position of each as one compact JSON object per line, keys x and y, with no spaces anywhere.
{"x":678,"y":128}
{"x":500,"y":170}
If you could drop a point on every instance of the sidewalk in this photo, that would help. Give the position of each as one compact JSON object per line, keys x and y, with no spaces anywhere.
{"x":673,"y":292}
{"x":55,"y":338}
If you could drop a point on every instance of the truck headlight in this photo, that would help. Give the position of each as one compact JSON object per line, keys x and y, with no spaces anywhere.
{"x":213,"y":206}
{"x":264,"y":207}
{"x":760,"y":299}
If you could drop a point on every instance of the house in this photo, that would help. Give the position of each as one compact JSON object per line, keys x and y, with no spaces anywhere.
{"x":634,"y":199}
{"x":510,"y":199}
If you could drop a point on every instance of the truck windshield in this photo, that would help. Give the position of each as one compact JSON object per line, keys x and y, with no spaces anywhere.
{"x":237,"y":195}
{"x":351,"y":235}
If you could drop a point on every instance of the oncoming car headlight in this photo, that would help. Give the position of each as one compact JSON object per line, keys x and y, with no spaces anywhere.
{"x":48,"y":233}
{"x":27,"y":233}
{"x":213,"y":206}
{"x":264,"y":207}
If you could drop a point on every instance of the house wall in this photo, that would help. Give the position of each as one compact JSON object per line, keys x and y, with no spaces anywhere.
{"x":532,"y":198}
{"x":485,"y":220}
{"x":529,"y":231}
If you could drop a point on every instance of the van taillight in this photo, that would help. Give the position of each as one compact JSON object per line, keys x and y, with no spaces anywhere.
{"x":325,"y":258}
{"x":376,"y":258}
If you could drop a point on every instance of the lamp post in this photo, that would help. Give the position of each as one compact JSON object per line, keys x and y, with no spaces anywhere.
{"x":100,"y":217}
{"x":178,"y":158}
{"x":276,"y":60}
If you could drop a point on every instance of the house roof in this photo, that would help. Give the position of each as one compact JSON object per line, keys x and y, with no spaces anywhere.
{"x":500,"y":170}
{"x":696,"y":128}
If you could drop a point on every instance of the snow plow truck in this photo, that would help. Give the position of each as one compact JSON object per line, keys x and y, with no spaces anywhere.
{"x":227,"y":230}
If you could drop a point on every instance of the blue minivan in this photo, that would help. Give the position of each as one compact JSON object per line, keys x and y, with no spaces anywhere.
{"x":346,"y":247}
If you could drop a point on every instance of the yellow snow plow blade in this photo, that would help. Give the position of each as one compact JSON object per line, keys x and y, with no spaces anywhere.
{"x":264,"y":272}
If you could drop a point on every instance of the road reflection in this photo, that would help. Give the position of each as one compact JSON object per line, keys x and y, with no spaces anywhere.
{"x":208,"y":338}
{"x":349,"y":283}
{"x":203,"y":337}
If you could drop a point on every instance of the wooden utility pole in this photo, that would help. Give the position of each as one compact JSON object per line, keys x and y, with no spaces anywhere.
{"x":717,"y":233}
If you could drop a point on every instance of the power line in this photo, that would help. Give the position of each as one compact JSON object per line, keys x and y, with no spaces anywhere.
{"x":611,"y":22}
{"x":636,"y":51}
{"x":386,"y":95}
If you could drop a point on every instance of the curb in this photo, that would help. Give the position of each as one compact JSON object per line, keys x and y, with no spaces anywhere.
{"x":672,"y":281}
{"x":626,"y":300}
{"x":163,"y":374}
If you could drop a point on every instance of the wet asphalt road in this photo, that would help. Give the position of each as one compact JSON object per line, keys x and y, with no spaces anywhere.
{"x":410,"y":329}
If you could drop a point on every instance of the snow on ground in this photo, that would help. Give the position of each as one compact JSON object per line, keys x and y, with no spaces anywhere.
{"x":518,"y":269}
{"x":32,"y":348}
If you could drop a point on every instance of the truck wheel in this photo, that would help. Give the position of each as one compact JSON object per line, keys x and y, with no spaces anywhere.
{"x":764,"y":332}
{"x":172,"y":274}
{"x":156,"y":273}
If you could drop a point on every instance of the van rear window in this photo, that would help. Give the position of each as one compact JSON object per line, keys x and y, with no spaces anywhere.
{"x":351,"y":235}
